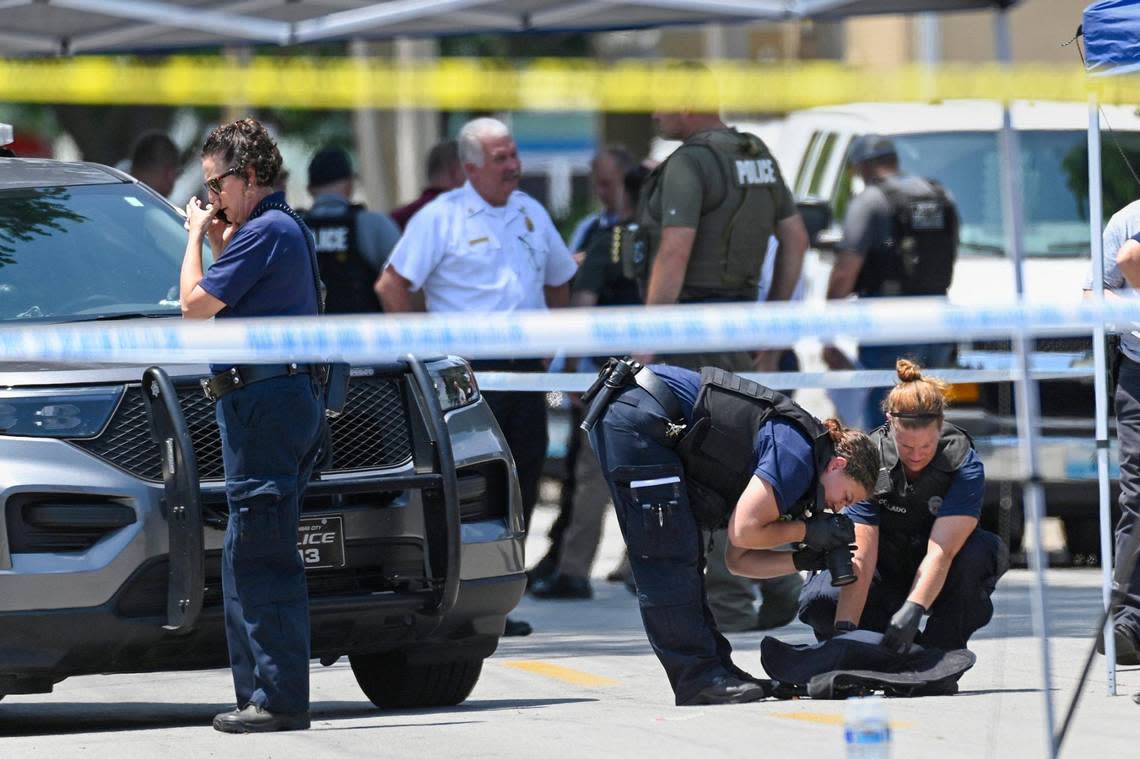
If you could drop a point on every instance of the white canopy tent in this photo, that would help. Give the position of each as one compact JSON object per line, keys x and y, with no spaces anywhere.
{"x":60,"y":27}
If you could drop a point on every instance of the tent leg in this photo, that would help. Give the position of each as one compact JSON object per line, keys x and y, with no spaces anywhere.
{"x":1100,"y":385}
{"x":1028,"y":405}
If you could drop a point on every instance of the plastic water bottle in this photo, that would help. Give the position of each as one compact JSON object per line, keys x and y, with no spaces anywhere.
{"x":867,"y":732}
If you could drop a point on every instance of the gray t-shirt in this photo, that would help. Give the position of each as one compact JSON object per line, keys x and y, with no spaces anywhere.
{"x":376,"y":233}
{"x":1123,"y":225}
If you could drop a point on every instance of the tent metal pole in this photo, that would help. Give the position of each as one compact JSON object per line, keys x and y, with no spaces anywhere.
{"x":1100,"y":385}
{"x":1027,"y":401}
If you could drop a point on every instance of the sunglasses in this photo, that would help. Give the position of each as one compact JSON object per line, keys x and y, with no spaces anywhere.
{"x":215,"y":183}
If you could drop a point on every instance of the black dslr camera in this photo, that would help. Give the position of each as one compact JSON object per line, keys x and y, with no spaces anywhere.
{"x":841,"y":566}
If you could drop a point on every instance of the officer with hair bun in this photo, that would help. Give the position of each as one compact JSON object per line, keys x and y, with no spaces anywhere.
{"x":919,"y":550}
{"x":683,"y":451}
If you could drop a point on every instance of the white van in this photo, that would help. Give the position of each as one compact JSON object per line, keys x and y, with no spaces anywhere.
{"x":957,"y":143}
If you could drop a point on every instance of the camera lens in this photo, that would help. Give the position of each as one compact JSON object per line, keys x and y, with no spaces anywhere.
{"x":840,"y":566}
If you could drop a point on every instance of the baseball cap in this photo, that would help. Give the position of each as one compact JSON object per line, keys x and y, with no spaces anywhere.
{"x":329,"y":165}
{"x":870,"y":147}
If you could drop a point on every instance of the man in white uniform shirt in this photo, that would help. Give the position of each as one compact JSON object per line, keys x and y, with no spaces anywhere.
{"x":487,"y":246}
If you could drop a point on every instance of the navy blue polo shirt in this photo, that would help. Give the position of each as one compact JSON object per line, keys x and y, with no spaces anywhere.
{"x":964,"y":498}
{"x":783,"y":454}
{"x":265,"y":270}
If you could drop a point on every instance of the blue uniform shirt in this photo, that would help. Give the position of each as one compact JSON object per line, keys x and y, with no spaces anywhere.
{"x":964,"y":498}
{"x":265,"y":270}
{"x":783,"y":454}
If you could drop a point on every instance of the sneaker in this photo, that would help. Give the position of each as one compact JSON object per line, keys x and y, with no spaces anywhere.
{"x":254,"y":719}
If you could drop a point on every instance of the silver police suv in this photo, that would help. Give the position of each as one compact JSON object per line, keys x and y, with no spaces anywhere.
{"x":411,"y":529}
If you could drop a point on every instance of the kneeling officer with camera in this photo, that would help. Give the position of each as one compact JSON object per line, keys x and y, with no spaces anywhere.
{"x":919,"y":549}
{"x":683,"y":451}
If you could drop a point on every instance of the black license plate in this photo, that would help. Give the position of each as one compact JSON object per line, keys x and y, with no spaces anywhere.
{"x":321,"y":542}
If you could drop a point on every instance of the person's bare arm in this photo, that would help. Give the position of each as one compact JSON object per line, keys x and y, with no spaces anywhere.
{"x":758,"y":564}
{"x":195,"y":302}
{"x":669,"y":265}
{"x":947,"y":537}
{"x":1128,"y":261}
{"x":844,"y":273}
{"x":395,"y":293}
{"x":841,"y":283}
{"x":755,"y":522}
{"x":853,"y":597}
{"x":557,"y":296}
{"x":792,"y":237}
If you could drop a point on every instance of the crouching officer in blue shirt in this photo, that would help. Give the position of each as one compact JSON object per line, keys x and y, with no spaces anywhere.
{"x":681,"y":451}
{"x":919,"y":549}
{"x":269,"y":418}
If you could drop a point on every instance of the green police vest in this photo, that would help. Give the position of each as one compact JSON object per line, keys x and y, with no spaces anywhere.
{"x":732,"y":237}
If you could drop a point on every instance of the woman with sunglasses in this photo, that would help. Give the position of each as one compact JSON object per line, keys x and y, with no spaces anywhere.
{"x":269,"y":417}
{"x":919,"y":550}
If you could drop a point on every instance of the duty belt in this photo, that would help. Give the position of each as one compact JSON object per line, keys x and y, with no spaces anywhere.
{"x":620,"y":372}
{"x":224,"y":383}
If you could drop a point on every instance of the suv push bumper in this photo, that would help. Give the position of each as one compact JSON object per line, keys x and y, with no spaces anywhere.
{"x":41,"y":648}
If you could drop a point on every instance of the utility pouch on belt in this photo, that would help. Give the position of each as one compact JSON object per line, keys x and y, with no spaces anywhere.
{"x":634,"y":252}
{"x":336,"y":389}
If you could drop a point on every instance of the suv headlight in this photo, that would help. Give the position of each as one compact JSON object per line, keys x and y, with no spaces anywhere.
{"x":454,"y":382}
{"x":64,"y":413}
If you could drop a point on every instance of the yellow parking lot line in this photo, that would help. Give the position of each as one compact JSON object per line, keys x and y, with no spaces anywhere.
{"x":565,"y":674}
{"x":828,"y":719}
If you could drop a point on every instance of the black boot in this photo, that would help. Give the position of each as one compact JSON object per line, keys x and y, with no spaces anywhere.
{"x":728,"y":689}
{"x":560,"y":586}
{"x":516,"y":628}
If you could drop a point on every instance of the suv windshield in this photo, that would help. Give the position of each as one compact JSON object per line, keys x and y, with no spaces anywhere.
{"x":1054,"y":177}
{"x":87,"y":252}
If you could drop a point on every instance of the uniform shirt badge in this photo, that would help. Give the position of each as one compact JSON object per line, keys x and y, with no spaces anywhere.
{"x":934,"y":504}
{"x":529,"y":224}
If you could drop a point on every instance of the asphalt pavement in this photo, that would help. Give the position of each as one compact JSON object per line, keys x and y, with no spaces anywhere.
{"x":586,"y":684}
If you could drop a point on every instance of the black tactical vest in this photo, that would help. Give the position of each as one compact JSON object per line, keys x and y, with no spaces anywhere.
{"x":907,"y":510}
{"x":732,"y":236}
{"x":917,"y":258}
{"x":348,"y":275}
{"x":719,"y":448}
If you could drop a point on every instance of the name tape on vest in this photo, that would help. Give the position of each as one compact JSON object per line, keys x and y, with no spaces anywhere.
{"x":757,"y":171}
{"x":332,"y":240}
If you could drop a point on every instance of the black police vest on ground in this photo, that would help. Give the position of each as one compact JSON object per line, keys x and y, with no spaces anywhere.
{"x":347,"y":274}
{"x":907,"y":510}
{"x":917,"y":258}
{"x":718,"y":449}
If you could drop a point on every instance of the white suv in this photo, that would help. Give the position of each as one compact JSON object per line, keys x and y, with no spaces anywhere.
{"x":956,"y":142}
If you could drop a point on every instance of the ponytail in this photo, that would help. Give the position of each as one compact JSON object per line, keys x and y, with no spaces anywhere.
{"x":861,"y":454}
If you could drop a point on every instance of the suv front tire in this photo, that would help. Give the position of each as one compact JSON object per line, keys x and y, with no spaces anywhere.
{"x":390,"y":682}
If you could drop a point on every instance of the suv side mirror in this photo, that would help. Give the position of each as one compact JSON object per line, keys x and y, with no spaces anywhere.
{"x":818,"y":220}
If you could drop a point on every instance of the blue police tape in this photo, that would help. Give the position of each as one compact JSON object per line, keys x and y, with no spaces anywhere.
{"x":840,"y":380}
{"x":677,"y":329}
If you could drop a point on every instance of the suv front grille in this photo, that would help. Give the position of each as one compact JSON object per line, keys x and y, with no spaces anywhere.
{"x":371,"y":433}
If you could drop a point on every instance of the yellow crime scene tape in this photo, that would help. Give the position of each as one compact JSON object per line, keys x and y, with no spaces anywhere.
{"x":536,"y":85}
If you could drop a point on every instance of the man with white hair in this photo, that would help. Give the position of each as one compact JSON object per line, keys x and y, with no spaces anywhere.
{"x":487,"y":246}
